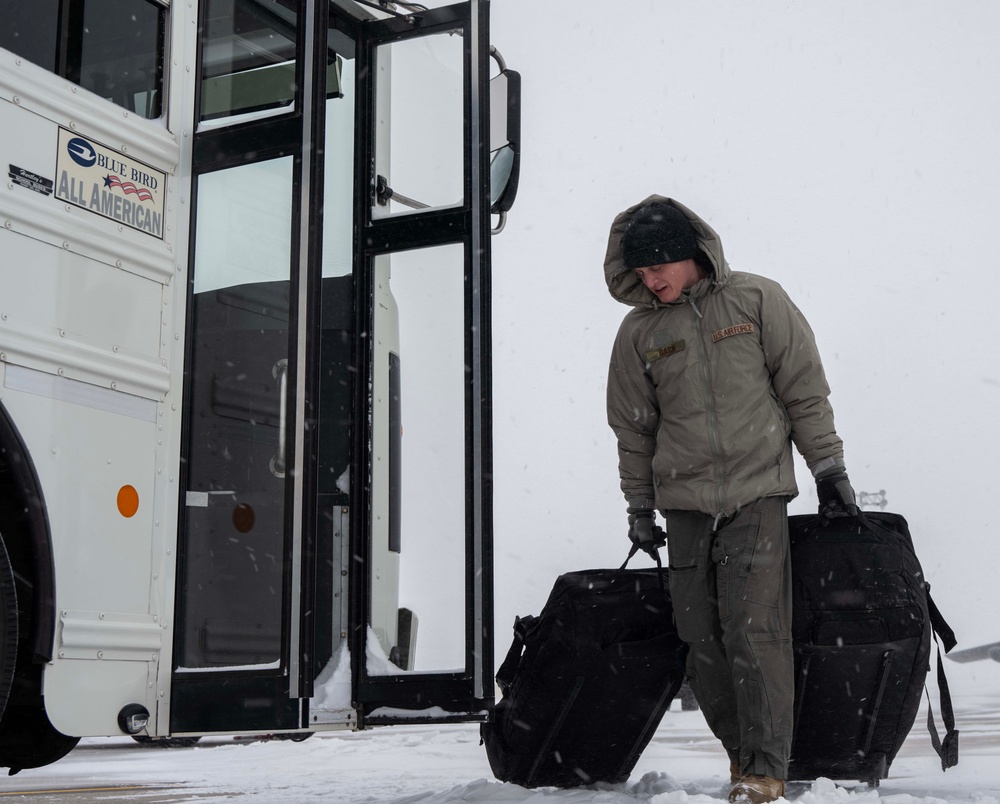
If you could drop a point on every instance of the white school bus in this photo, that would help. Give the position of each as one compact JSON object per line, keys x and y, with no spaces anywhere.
{"x":245,"y":365}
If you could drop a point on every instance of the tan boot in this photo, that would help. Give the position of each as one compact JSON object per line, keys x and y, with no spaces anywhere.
{"x":734,"y":772}
{"x":754,"y":789}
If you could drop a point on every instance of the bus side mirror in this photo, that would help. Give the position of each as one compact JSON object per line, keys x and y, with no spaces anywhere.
{"x":505,"y":138}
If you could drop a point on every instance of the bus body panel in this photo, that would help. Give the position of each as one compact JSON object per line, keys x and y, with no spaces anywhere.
{"x":91,"y":364}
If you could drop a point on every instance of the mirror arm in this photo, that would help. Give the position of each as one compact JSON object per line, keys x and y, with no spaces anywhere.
{"x":383,"y":193}
{"x":499,"y":59}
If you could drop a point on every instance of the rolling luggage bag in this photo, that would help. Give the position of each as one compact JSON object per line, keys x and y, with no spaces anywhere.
{"x":861,"y":628}
{"x":586,"y":682}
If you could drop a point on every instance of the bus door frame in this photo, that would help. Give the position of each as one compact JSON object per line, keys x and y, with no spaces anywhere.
{"x":467,"y":694}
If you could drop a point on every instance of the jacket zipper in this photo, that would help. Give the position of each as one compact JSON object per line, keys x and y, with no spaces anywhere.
{"x":713,"y":427}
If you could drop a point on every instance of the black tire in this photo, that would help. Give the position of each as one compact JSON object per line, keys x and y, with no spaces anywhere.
{"x":8,"y":626}
{"x":165,"y":742}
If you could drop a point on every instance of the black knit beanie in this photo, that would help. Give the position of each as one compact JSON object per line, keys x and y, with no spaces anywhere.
{"x":658,"y":233}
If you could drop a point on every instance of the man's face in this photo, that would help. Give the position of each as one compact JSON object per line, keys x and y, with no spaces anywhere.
{"x":668,"y":280}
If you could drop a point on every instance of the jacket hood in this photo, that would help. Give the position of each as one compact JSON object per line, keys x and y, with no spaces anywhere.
{"x":626,"y":286}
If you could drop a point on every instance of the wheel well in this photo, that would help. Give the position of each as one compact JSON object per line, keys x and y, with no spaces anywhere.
{"x":24,"y":526}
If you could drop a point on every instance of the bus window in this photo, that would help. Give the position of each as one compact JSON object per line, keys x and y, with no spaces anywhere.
{"x":419,"y":153}
{"x":248,"y":57}
{"x":114,"y":48}
{"x":338,"y":185}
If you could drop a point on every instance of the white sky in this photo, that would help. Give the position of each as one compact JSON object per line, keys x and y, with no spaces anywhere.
{"x":847,"y":150}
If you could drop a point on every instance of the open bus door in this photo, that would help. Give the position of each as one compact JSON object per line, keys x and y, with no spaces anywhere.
{"x":337,"y":442}
{"x":428,"y":219}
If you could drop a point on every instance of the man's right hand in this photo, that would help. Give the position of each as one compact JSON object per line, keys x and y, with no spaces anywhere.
{"x":644,"y":532}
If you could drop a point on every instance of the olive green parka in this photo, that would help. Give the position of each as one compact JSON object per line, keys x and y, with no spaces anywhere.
{"x":707,"y":394}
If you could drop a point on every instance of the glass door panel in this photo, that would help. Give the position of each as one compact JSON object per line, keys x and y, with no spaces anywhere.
{"x":419,"y":128}
{"x":419,"y":461}
{"x":232,"y":577}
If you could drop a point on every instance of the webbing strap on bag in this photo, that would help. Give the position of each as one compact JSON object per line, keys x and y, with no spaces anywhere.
{"x":507,"y":670}
{"x":946,"y":749}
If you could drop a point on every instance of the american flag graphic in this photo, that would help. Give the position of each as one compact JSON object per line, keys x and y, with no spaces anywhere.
{"x":111,"y":180}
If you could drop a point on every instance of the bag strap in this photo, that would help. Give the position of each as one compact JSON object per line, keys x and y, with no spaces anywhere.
{"x":946,"y":749}
{"x":656,"y":556}
{"x":505,"y":675}
{"x":941,"y":628}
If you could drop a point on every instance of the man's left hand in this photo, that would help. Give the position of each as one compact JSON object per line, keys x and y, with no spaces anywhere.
{"x":836,"y":496}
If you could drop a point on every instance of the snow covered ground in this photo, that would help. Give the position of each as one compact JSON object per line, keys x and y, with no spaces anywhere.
{"x":432,"y":764}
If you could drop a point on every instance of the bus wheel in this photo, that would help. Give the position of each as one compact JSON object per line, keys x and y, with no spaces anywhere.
{"x":27,"y":738}
{"x":165,"y":742}
{"x":297,"y":737}
{"x":8,"y":626}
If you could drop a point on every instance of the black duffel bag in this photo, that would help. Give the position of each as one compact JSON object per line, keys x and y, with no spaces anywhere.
{"x":586,"y":682}
{"x":862,"y":624}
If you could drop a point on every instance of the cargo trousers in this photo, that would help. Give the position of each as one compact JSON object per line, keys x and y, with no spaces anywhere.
{"x":731,"y":587}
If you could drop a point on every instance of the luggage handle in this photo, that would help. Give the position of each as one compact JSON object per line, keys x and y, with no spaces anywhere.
{"x":656,"y":557}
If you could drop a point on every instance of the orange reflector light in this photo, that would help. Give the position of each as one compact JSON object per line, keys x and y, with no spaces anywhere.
{"x":128,"y":501}
{"x":243,"y":518}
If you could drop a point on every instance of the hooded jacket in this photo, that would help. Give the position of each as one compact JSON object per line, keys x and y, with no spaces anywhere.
{"x":707,"y":394}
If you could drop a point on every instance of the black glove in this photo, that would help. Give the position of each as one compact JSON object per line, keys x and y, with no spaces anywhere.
{"x":836,"y":497}
{"x":644,"y":532}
